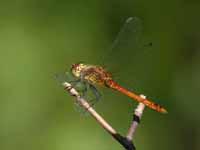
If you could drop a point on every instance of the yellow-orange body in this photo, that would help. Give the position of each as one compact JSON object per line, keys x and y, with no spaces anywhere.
{"x":95,"y":74}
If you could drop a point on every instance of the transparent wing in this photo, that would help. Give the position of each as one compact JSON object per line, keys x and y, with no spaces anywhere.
{"x":129,"y":34}
{"x":64,"y":77}
{"x":128,"y":57}
{"x":127,"y":40}
{"x":91,"y":95}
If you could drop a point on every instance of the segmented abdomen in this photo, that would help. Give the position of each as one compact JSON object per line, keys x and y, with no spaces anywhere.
{"x":112,"y":84}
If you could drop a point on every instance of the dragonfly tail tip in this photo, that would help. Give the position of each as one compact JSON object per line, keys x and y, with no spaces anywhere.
{"x":164,"y":111}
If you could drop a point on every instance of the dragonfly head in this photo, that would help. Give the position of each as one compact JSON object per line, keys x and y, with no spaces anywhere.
{"x":77,"y":68}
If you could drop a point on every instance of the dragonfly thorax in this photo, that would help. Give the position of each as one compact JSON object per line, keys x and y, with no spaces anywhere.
{"x":94,"y":74}
{"x":77,"y":68}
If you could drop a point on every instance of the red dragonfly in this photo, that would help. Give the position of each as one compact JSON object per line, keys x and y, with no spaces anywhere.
{"x":95,"y":74}
{"x":92,"y":75}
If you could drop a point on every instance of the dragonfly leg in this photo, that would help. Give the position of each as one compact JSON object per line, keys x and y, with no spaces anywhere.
{"x":80,"y":86}
{"x":96,"y":94}
{"x":93,"y":89}
{"x":84,"y":88}
{"x":74,"y":82}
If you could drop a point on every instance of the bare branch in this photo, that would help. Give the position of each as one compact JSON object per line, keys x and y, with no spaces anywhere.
{"x":126,"y":142}
{"x":136,"y":120}
{"x":86,"y":105}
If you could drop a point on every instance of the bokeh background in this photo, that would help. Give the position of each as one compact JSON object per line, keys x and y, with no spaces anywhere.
{"x":39,"y":38}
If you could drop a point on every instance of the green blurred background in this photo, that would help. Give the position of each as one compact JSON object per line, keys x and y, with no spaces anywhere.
{"x":41,"y":37}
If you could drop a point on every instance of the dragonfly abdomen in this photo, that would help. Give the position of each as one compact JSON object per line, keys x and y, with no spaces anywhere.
{"x":112,"y":84}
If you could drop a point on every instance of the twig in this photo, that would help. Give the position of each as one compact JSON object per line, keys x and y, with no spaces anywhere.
{"x":86,"y":105}
{"x":126,"y":142}
{"x":136,"y":120}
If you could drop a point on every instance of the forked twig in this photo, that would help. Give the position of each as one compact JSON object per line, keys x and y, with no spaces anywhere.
{"x":126,"y":142}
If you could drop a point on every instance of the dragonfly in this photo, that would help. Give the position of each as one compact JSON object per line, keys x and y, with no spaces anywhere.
{"x":91,"y":75}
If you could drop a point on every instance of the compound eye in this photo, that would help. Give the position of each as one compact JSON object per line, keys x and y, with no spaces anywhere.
{"x":74,"y":66}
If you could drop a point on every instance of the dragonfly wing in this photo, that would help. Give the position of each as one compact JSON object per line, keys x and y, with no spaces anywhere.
{"x":127,"y":55}
{"x":129,"y":34}
{"x":64,"y":77}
